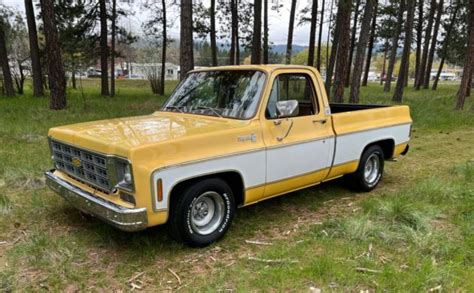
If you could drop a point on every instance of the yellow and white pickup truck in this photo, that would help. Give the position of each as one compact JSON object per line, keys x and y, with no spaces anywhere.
{"x":227,"y":137}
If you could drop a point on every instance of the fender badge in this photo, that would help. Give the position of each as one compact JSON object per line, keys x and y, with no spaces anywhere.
{"x":251,"y":137}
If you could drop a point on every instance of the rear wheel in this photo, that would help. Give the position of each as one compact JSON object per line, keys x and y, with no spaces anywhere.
{"x":370,"y":170}
{"x":202,"y":213}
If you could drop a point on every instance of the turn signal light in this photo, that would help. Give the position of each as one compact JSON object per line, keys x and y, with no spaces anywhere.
{"x":159,"y":190}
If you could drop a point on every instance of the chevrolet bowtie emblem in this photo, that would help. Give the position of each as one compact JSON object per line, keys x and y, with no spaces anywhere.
{"x":76,"y":162}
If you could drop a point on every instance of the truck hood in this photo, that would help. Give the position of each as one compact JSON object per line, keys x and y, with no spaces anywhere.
{"x":119,"y":136}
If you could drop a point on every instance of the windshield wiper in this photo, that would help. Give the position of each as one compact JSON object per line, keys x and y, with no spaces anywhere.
{"x":174,"y":108}
{"x":213,"y":110}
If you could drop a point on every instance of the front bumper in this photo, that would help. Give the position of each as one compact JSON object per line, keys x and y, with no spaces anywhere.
{"x":123,"y":218}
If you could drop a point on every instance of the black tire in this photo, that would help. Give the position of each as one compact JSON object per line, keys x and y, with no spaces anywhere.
{"x":359,"y":179}
{"x":190,"y":205}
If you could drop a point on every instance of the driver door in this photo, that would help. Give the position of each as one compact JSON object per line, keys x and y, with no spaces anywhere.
{"x":298,"y":148}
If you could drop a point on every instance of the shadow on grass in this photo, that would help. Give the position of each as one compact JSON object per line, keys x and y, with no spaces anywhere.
{"x":256,"y":220}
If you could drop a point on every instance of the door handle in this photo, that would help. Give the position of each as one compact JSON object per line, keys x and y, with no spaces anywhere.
{"x":322,"y":121}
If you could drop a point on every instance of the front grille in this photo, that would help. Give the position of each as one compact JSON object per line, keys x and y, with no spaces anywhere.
{"x":84,"y":166}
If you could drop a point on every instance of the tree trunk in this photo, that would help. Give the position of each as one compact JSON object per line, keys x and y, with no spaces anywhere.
{"x":468,"y":63}
{"x":186,"y":57}
{"x":56,"y":76}
{"x":20,"y":78}
{"x":104,"y":50}
{"x":382,"y":76}
{"x":212,"y":33}
{"x":234,"y":33}
{"x":419,"y":38}
{"x":434,"y":41}
{"x":342,"y":50}
{"x":335,"y":43}
{"x":7,"y":75}
{"x":256,"y":57}
{"x":368,"y":60}
{"x":112,"y":49}
{"x":73,"y":79}
{"x":331,"y":15}
{"x":73,"y":71}
{"x":318,"y":55}
{"x":312,"y":33}
{"x":444,"y":50}
{"x":393,"y":50}
{"x":289,"y":44}
{"x":426,"y":46}
{"x":405,"y":62}
{"x":353,"y":38}
{"x":265,"y":32}
{"x":161,"y":89}
{"x":361,"y":47}
{"x":34,"y":50}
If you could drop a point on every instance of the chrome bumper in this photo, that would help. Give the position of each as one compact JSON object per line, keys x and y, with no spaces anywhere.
{"x":123,"y":218}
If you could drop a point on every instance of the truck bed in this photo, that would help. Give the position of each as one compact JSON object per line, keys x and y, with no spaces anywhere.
{"x":356,"y":126}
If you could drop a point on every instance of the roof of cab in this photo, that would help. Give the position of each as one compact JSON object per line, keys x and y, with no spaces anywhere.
{"x":264,"y":67}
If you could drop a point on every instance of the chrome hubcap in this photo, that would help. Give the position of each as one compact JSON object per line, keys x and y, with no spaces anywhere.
{"x":207,"y":213}
{"x":371,"y":170}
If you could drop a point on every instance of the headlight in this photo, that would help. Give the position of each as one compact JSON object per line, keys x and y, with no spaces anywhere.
{"x":127,"y":175}
{"x":124,"y":175}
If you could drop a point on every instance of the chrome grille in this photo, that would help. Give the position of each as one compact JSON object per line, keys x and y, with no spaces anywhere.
{"x":84,"y":166}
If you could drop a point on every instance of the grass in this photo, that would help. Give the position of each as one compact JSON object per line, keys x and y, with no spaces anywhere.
{"x":414,"y":232}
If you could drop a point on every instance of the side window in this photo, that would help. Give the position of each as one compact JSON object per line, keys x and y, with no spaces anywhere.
{"x":292,"y":87}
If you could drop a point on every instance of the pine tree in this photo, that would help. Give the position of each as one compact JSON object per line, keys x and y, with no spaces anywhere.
{"x":34,"y":50}
{"x":104,"y":50}
{"x":212,"y":15}
{"x":465,"y":86}
{"x":321,"y":21}
{"x":404,"y":63}
{"x":186,"y":47}
{"x":265,"y":32}
{"x":7,"y":76}
{"x":56,"y":76}
{"x":426,"y":46}
{"x":289,"y":43}
{"x":256,"y":57}
{"x":112,"y":48}
{"x":353,"y":40}
{"x":419,"y":39}
{"x":446,"y":41}
{"x":372,"y":38}
{"x":393,"y":49}
{"x":434,"y":42}
{"x":312,"y":33}
{"x":342,"y":50}
{"x":361,"y":48}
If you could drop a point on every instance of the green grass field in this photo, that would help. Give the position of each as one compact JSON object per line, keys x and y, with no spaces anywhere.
{"x":415,"y":232}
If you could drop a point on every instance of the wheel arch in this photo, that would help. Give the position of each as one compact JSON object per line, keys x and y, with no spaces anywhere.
{"x":232,"y":177}
{"x":387,"y":145}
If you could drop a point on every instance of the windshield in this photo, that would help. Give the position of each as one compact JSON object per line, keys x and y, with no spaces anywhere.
{"x":232,"y":93}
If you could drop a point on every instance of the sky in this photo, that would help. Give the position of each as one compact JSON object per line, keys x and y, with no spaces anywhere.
{"x":278,"y":21}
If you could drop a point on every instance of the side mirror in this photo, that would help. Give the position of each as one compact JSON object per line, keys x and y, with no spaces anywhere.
{"x":287,"y":108}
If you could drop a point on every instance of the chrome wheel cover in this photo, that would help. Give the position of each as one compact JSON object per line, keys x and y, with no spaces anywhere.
{"x":372,"y":169}
{"x":207,"y":213}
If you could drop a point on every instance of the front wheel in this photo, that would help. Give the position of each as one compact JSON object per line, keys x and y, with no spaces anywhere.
{"x":370,"y":170}
{"x":202,"y":213}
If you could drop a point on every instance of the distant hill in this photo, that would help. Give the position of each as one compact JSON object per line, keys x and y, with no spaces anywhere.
{"x":281,"y":48}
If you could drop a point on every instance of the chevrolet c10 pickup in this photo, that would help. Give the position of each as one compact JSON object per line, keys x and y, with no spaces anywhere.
{"x":227,"y":137}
